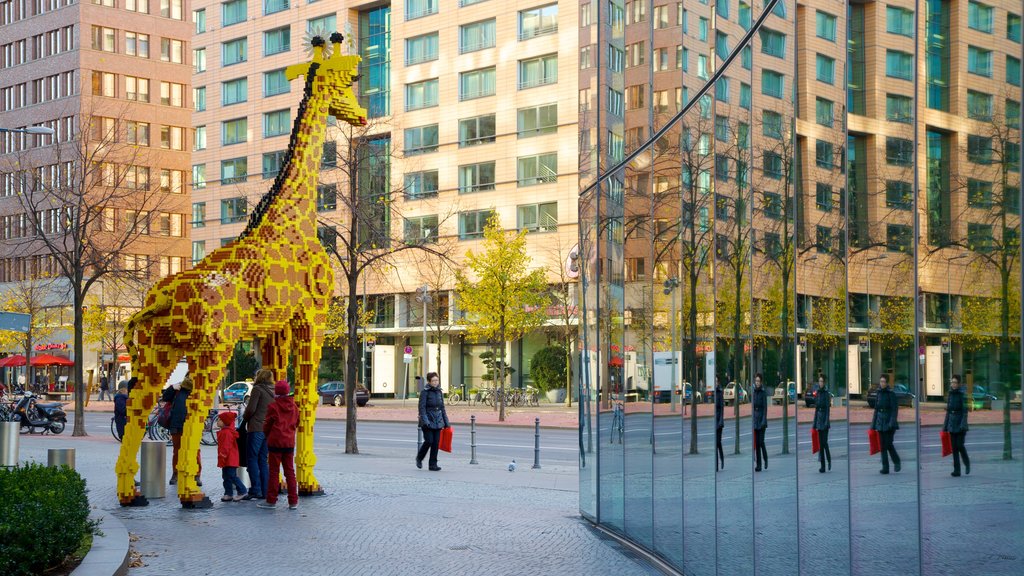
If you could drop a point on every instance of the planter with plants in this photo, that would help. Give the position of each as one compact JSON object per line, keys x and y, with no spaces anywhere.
{"x":548,"y":371}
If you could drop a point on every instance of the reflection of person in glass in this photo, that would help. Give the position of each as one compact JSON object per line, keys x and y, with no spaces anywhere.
{"x":886,"y":423}
{"x":956,"y":424}
{"x":822,"y":422}
{"x":719,"y":420}
{"x":759,"y":420}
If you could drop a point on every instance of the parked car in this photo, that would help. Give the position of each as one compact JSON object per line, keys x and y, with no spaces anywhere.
{"x":1015,"y":399}
{"x":811,"y":396}
{"x":903,"y":395}
{"x":982,"y":398}
{"x":333,"y":392}
{"x":777,"y":394}
{"x":689,"y":393}
{"x":729,"y":394}
{"x":236,"y":393}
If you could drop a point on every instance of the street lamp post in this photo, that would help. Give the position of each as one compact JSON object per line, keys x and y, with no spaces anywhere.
{"x":867,"y":300}
{"x":670,"y":287}
{"x":423,"y":296}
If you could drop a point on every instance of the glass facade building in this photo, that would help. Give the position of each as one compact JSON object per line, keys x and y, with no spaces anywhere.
{"x":830,"y":205}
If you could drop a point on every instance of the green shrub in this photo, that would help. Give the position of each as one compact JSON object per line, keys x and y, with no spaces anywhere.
{"x":547,"y":368}
{"x":44,"y":514}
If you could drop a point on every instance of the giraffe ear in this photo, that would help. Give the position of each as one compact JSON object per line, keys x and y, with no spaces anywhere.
{"x":295,"y":70}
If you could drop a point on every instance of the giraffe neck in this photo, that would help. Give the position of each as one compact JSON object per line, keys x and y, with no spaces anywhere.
{"x":291,"y":200}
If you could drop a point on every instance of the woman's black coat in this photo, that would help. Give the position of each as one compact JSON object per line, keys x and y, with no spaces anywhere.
{"x":719,"y":408}
{"x":886,"y":411}
{"x":179,"y":411}
{"x":956,"y":412}
{"x":759,"y":409}
{"x":432,"y":412}
{"x":823,"y":410}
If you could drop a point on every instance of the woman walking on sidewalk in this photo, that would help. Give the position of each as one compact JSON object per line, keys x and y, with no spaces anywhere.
{"x":822,"y":422}
{"x":759,"y":420}
{"x":433,"y":419}
{"x":719,"y":420}
{"x":886,"y":422}
{"x":956,"y":425}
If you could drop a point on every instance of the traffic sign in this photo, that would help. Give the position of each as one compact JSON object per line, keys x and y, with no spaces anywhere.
{"x":370,"y":343}
{"x":408,"y":350}
{"x":407,"y":358}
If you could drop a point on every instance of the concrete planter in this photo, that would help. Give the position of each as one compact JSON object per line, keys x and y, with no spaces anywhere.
{"x":556,"y":396}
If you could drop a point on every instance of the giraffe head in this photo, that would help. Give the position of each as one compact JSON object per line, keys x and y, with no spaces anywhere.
{"x":333,"y":76}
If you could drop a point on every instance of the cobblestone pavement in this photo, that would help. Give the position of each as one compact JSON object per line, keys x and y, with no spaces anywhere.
{"x":381,"y":516}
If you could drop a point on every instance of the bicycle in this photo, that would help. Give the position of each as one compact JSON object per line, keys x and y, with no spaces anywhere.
{"x":454,"y":398}
{"x":154,"y":431}
{"x":618,"y":422}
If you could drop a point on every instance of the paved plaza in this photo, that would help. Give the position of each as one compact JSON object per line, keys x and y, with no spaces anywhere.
{"x":381,"y":516}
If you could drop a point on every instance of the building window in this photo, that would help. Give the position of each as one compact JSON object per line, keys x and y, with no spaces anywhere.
{"x":898,"y":194}
{"x":272,"y":163}
{"x":234,"y":51}
{"x":421,"y":140}
{"x":420,"y":8}
{"x":199,"y":60}
{"x":476,"y":177}
{"x":538,"y":71}
{"x":538,"y":120}
{"x":539,"y":21}
{"x":899,"y":64}
{"x":325,"y":25}
{"x":476,"y":84}
{"x":199,"y":98}
{"x":198,"y":251}
{"x":276,"y":123}
{"x":172,"y":94}
{"x":171,"y":224}
{"x":979,"y":193}
{"x":899,"y":152}
{"x":274,"y":6}
{"x":232,"y":210}
{"x":898,"y":238}
{"x":979,"y":61}
{"x":471,"y":224}
{"x":1013,"y":70}
{"x":274,"y":82}
{"x":538,"y":169}
{"x":421,"y":230}
{"x":478,"y":130}
{"x":773,"y":43}
{"x":824,"y":112}
{"x":138,"y":133}
{"x":172,"y":181}
{"x":420,"y":185}
{"x":1012,"y":113}
{"x":104,"y":84}
{"x":171,"y":50}
{"x":136,"y":89}
{"x":198,"y":176}
{"x":823,"y":196}
{"x":233,"y":12}
{"x":899,"y":21}
{"x":979,"y":149}
{"x":825,"y":26}
{"x":424,"y":94}
{"x":326,"y":197}
{"x":979,"y":17}
{"x":198,"y":16}
{"x":771,"y":124}
{"x":979,"y":105}
{"x":476,"y":36}
{"x":104,"y":39}
{"x":826,"y":69}
{"x":140,"y":6}
{"x":234,"y":91}
{"x":171,"y":9}
{"x":538,"y":217}
{"x":171,"y":138}
{"x":421,"y":49}
{"x":198,"y":214}
{"x":772,"y":83}
{"x":1013,"y":27}
{"x":136,"y":44}
{"x":979,"y":237}
{"x":823,"y":154}
{"x":234,"y":131}
{"x":233,"y":171}
{"x":277,"y":40}
{"x":823,"y":239}
{"x":772,"y":165}
{"x":898,"y":108}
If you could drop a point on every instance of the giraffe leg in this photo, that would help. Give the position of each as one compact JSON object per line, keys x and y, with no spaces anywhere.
{"x":309,"y":337}
{"x":207,"y":368}
{"x":155,"y":366}
{"x":275,"y":349}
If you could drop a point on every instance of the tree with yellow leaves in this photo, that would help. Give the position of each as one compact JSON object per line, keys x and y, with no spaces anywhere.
{"x":33,"y":298}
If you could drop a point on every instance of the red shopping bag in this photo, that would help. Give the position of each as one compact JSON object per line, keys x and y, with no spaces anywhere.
{"x":815,"y":441}
{"x":947,"y":443}
{"x":446,"y":439}
{"x":875,"y":441}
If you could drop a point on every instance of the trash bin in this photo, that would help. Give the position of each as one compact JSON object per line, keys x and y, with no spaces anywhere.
{"x":154,"y":469}
{"x":61,"y":457}
{"x":10,"y":434}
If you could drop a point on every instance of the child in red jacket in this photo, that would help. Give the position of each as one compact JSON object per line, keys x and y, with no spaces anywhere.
{"x":227,"y":457}
{"x":279,"y":425}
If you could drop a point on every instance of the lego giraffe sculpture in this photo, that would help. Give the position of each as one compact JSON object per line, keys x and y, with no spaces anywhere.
{"x":273,"y":283}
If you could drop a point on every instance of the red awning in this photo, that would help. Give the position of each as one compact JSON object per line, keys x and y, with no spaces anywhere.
{"x":12,"y":361}
{"x":51,"y":360}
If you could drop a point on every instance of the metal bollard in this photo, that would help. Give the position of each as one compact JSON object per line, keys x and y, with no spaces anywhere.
{"x":154,"y":470}
{"x":472,"y":439}
{"x":10,"y":434}
{"x":61,"y":457}
{"x":536,"y":443}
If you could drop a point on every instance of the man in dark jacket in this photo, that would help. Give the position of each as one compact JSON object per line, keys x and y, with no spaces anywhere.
{"x":759,"y":420}
{"x":279,"y":425}
{"x":258,"y":465}
{"x":822,"y":422}
{"x":719,"y":420}
{"x":433,"y":418}
{"x":886,"y":422}
{"x":121,"y":410}
{"x":956,"y":424}
{"x":179,"y":415}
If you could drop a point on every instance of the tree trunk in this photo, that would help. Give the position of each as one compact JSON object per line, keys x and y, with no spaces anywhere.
{"x":568,"y":375}
{"x":79,"y":297}
{"x":782,"y":358}
{"x":351,"y":365}
{"x":691,"y":351}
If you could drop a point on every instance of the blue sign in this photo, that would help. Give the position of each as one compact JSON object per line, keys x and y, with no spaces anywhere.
{"x":15,"y":321}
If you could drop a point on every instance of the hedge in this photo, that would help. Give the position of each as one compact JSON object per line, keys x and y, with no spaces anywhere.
{"x":44,"y":515}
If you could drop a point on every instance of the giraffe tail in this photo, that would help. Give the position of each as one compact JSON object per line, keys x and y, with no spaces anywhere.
{"x":129,"y":329}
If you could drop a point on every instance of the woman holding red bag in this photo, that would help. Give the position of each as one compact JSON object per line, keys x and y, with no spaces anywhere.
{"x":956,"y":424}
{"x":822,"y":422}
{"x":433,"y":419}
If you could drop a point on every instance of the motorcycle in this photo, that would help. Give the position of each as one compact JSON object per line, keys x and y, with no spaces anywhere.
{"x":32,"y":414}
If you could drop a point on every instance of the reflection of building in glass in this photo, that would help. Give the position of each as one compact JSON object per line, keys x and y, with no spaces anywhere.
{"x":472,"y":105}
{"x":842,"y":203}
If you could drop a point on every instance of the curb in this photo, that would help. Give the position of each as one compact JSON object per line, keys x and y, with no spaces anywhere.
{"x":109,"y":553}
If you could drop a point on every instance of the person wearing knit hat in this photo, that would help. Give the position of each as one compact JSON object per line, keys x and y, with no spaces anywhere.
{"x":227,"y":457}
{"x":280,"y":425}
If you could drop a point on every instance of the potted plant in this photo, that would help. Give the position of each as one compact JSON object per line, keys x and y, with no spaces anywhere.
{"x":548,"y":372}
